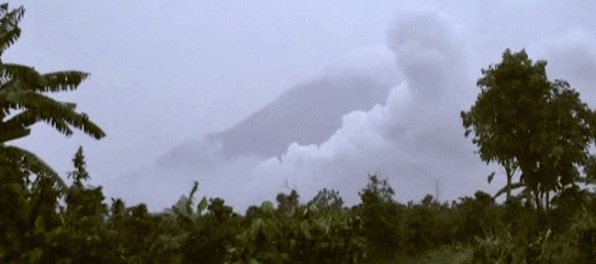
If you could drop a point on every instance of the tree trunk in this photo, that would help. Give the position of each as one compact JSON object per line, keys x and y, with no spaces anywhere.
{"x":537,"y":200}
{"x":509,"y":177}
{"x":547,"y":200}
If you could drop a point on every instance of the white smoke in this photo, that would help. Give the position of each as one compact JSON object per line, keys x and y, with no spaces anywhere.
{"x":414,"y":139}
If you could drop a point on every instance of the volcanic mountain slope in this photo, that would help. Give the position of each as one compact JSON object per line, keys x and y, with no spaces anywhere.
{"x":306,"y":114}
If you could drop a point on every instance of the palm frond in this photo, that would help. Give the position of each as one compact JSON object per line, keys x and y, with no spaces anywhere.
{"x":3,"y":9}
{"x":30,"y":117}
{"x":7,"y":134}
{"x":62,"y":81}
{"x":27,"y":76}
{"x":33,"y":80}
{"x":9,"y":30}
{"x":13,"y":17}
{"x":58,"y":124}
{"x":33,"y":164}
{"x":53,"y":112}
{"x":8,"y":38}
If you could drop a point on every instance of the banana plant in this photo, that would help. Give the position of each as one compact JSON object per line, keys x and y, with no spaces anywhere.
{"x":25,"y":101}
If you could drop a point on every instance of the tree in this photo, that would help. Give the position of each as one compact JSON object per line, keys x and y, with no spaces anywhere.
{"x":287,"y":203}
{"x":380,"y":215}
{"x":327,"y":200}
{"x":79,"y":174}
{"x":24,"y":101}
{"x":84,"y":231}
{"x":521,"y":120}
{"x":31,"y":188}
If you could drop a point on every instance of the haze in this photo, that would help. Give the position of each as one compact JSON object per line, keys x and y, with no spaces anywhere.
{"x":390,"y":77}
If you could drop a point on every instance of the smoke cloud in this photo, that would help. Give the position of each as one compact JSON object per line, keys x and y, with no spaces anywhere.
{"x":415,"y":138}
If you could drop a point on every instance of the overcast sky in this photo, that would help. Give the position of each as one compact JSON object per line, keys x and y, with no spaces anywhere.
{"x":165,"y":72}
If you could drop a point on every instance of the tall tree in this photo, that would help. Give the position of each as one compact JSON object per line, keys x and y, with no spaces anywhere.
{"x":24,"y":101}
{"x":522,"y":120}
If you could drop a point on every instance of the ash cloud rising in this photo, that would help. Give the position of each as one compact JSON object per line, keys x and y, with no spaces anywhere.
{"x":415,"y":139}
{"x":414,"y":136}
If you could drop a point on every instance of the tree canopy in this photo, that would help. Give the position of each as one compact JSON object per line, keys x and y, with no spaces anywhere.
{"x":523,"y":120}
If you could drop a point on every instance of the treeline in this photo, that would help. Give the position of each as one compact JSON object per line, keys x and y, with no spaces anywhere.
{"x":39,"y":225}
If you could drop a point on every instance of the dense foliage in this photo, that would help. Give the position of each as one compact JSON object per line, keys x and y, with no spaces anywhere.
{"x":521,"y":120}
{"x":38,"y":227}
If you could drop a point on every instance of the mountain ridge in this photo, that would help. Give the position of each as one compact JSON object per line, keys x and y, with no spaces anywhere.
{"x":306,"y":114}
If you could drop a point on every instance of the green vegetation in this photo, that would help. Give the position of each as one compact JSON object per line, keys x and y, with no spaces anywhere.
{"x":521,"y":121}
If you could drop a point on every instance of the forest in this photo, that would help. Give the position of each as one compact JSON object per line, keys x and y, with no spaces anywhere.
{"x":538,"y":130}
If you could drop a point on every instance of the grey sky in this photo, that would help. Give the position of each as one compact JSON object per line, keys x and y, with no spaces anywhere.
{"x":165,"y":72}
